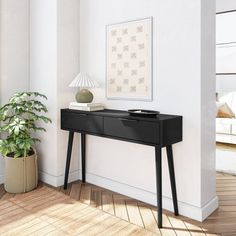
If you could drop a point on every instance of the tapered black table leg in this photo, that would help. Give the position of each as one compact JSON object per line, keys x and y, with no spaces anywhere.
{"x":159,"y":184}
{"x":83,"y":156}
{"x":172,"y":178}
{"x":69,"y":149}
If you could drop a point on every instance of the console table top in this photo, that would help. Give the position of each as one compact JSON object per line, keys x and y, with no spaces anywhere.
{"x":124,"y":114}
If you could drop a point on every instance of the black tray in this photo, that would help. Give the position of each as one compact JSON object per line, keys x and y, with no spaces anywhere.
{"x":143,"y":113}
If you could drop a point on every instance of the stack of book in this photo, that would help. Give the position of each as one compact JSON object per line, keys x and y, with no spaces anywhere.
{"x":86,"y":106}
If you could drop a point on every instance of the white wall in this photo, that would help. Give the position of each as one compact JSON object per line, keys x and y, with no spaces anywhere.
{"x":50,"y":29}
{"x":14,"y":51}
{"x":181,"y":83}
{"x":68,"y":68}
{"x":54,"y":62}
{"x":208,"y":88}
{"x":43,"y":74}
{"x":225,"y":5}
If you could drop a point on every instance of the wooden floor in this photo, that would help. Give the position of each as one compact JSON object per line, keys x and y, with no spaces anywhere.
{"x":85,"y":209}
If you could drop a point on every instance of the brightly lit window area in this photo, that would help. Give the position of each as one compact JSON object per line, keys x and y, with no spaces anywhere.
{"x":226,"y":92}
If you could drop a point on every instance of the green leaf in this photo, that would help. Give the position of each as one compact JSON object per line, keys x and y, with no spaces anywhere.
{"x":21,"y":117}
{"x":16,"y":130}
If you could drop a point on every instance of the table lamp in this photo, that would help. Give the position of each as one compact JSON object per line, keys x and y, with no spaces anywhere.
{"x":84,"y":81}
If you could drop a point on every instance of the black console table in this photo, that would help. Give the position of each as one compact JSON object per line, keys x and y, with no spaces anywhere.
{"x":160,"y":131}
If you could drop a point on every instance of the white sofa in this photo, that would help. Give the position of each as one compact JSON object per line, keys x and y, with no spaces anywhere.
{"x":226,"y":127}
{"x":226,"y":133}
{"x":226,"y":130}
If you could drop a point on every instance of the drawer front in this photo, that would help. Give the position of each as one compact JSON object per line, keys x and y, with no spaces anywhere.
{"x":81,"y":122}
{"x":132,"y":129}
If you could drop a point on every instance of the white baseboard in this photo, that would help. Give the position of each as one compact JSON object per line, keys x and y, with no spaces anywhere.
{"x":211,"y":206}
{"x":57,"y":181}
{"x":185,"y":209}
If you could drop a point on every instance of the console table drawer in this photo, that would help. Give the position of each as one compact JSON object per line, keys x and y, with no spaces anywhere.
{"x":82,"y":122}
{"x":132,"y":129}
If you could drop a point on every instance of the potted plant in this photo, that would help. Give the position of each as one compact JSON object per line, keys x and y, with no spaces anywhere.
{"x":20,"y":119}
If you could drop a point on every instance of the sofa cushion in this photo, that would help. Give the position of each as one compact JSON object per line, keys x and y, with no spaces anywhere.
{"x":233,"y":129}
{"x":225,"y":138}
{"x":224,"y":111}
{"x":224,"y":125}
{"x":229,"y":98}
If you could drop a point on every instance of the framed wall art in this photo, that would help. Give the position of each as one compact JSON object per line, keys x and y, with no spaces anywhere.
{"x":129,"y":60}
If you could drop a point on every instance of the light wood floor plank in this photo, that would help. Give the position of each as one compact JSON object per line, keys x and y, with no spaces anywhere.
{"x":75,"y":191}
{"x":2,"y":191}
{"x":130,"y":230}
{"x":32,"y":228}
{"x":23,"y":227}
{"x":60,"y":213}
{"x":134,"y":213}
{"x":85,"y":194}
{"x":43,"y":231}
{"x":57,"y":233}
{"x":148,"y":218}
{"x":86,"y":223}
{"x":75,"y":220}
{"x":7,"y":196}
{"x":107,"y":203}
{"x":179,"y":227}
{"x":167,"y":227}
{"x":114,"y":229}
{"x":96,"y":198}
{"x":78,"y":219}
{"x":227,"y":203}
{"x":226,"y":193}
{"x":66,"y":191}
{"x":195,"y":230}
{"x":120,"y":207}
{"x":107,"y":224}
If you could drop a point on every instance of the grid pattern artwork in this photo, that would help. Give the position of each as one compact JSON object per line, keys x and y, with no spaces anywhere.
{"x":129,"y":60}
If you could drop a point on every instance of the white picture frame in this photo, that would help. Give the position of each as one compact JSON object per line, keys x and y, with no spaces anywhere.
{"x":129,"y":60}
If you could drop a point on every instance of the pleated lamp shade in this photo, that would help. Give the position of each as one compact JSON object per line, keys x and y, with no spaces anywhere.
{"x":83,"y":80}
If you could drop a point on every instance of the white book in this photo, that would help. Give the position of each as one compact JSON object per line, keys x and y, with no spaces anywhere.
{"x":79,"y":104}
{"x":83,"y":107}
{"x":98,"y":108}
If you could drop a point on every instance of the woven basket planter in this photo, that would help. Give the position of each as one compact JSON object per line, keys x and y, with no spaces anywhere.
{"x":21,"y":174}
